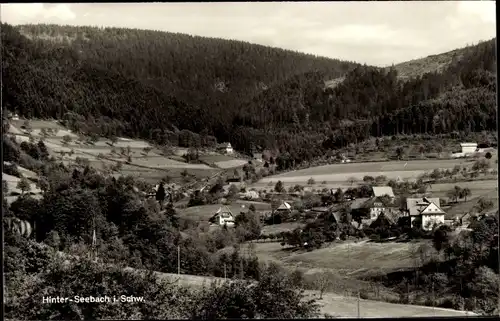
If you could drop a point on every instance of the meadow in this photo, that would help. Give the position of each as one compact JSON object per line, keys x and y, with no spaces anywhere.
{"x":346,"y":258}
{"x":205,"y":212}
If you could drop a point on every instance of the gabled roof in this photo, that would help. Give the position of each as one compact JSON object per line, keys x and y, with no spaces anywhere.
{"x":382,"y":190}
{"x":374,"y":200}
{"x":415,"y":205}
{"x":337,"y":216}
{"x":393,"y":216}
{"x":223,"y":211}
{"x":224,"y":145}
{"x":284,"y":206}
{"x":432,"y":209}
{"x":359,"y":203}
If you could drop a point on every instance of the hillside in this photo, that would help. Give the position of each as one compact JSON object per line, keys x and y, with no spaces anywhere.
{"x":433,"y":63}
{"x":190,"y":91}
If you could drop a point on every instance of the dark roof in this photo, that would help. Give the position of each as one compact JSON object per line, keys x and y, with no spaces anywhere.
{"x":359,"y":203}
{"x":374,"y":200}
{"x":381,"y":219}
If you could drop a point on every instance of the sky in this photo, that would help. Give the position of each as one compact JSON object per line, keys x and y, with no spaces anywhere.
{"x":375,"y":33}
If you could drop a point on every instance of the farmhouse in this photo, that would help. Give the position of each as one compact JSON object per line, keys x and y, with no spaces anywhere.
{"x":223,"y":216}
{"x":284,"y":208}
{"x":467,"y":149}
{"x":426,"y":211}
{"x":225,"y":148}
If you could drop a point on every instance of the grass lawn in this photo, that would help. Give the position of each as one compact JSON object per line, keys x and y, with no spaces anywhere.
{"x":278,"y":228}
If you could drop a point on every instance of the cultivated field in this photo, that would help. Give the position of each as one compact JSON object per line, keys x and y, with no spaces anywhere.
{"x":150,"y":166}
{"x":234,"y":163}
{"x":336,"y":175}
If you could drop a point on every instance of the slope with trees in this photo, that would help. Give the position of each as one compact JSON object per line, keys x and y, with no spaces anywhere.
{"x":155,"y":84}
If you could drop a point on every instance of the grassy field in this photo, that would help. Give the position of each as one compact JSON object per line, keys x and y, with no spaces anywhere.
{"x":150,"y":166}
{"x":204,"y":212}
{"x":463,"y":207}
{"x":336,"y":175}
{"x":214,"y":158}
{"x":278,"y":228}
{"x":347,"y":258}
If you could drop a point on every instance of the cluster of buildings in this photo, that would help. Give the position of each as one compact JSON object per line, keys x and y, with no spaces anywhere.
{"x":425,"y":212}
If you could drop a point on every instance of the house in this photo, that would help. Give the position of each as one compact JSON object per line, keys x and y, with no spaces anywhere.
{"x":284,"y":207}
{"x":225,"y":148}
{"x":223,"y":216}
{"x":380,"y":204}
{"x":258,"y":157}
{"x":379,"y":191}
{"x":427,"y":210}
{"x":357,"y":208}
{"x":467,"y":149}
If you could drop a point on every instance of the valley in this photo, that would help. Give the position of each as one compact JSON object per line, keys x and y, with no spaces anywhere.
{"x":319,"y":187}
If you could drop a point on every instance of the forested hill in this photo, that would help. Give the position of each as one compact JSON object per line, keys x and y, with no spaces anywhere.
{"x":161,"y":85}
{"x":124,"y":73}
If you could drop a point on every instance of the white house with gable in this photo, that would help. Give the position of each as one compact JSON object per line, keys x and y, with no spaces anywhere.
{"x":225,"y":148}
{"x":427,"y":210}
{"x":223,"y":216}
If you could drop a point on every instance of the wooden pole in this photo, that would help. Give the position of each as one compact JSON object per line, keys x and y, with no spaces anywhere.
{"x":225,"y":275}
{"x":358,"y":305}
{"x":433,"y":296}
{"x":178,"y":260}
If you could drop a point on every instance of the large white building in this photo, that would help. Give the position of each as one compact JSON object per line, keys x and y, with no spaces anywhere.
{"x":427,"y":209}
{"x":468,"y":148}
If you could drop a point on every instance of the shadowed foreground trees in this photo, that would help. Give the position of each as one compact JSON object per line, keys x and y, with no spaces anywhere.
{"x":274,"y":296}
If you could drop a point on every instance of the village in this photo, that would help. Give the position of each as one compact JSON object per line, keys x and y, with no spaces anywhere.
{"x":425,"y":200}
{"x":346,"y":216}
{"x":370,"y":204}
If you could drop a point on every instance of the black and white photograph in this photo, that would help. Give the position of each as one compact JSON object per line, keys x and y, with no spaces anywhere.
{"x":249,"y":160}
